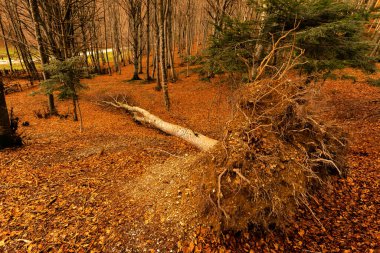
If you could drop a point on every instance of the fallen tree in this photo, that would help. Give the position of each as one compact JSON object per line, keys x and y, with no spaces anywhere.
{"x":272,"y":156}
{"x":273,"y":153}
{"x":141,"y":115}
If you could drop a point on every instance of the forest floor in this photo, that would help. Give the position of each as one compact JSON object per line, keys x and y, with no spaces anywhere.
{"x":108,"y":189}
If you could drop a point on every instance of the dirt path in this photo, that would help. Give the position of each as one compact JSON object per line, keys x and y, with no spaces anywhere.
{"x":106,"y":189}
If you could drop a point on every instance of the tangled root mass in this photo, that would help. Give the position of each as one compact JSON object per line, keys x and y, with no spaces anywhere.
{"x":273,"y":155}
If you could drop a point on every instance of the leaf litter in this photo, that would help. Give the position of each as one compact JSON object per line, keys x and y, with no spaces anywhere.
{"x":105,"y":190}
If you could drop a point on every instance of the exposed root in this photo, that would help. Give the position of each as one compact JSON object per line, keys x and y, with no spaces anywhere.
{"x":273,"y":154}
{"x":220,"y":194}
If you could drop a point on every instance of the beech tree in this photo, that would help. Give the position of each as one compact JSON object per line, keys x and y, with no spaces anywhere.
{"x":162,"y":12}
{"x":133,"y":9}
{"x":148,"y":20}
{"x":14,"y":11}
{"x":41,"y":48}
{"x":5,"y":39}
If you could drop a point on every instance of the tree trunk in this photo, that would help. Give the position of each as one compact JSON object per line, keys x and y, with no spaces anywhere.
{"x":157,"y":50}
{"x":75,"y":113}
{"x":6,"y":44}
{"x":115,"y":37}
{"x":170,"y":43}
{"x":5,"y":128}
{"x":164,"y":77}
{"x":41,"y":48}
{"x":148,"y":78}
{"x":141,"y":47}
{"x":135,"y":19}
{"x":21,"y":44}
{"x":202,"y":142}
{"x":85,"y":45}
{"x":259,"y":48}
{"x":106,"y":39}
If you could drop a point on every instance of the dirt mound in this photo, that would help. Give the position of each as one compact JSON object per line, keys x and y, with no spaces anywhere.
{"x":273,"y":154}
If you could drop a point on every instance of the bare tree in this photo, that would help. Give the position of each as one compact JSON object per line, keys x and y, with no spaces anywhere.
{"x":217,"y":10}
{"x":133,"y":9}
{"x":148,"y":6}
{"x":5,"y":43}
{"x":41,"y":48}
{"x":15,"y":10}
{"x":162,"y":11}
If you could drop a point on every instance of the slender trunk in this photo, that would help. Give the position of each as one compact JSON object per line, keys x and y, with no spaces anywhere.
{"x":157,"y":68}
{"x":80,"y":118}
{"x":85,"y":48}
{"x":187,"y":38}
{"x":148,"y":78}
{"x":75,"y":116}
{"x":140,"y":47}
{"x":106,"y":38}
{"x":157,"y":51}
{"x":136,"y":55}
{"x":22,"y":42}
{"x":121,"y":48}
{"x":164,"y":78}
{"x":170,"y":43}
{"x":154,"y":65}
{"x":135,"y":19}
{"x":94,"y":38}
{"x":20,"y":59}
{"x":116,"y":38}
{"x":259,"y":47}
{"x":6,"y":44}
{"x":42,"y":51}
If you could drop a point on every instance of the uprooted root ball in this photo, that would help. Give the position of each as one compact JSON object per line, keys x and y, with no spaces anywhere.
{"x":272,"y":156}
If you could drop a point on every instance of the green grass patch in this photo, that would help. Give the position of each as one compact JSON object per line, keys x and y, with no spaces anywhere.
{"x":348,"y":77}
{"x":374,"y":82}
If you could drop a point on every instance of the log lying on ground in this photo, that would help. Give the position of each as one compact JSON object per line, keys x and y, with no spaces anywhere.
{"x":200,"y":141}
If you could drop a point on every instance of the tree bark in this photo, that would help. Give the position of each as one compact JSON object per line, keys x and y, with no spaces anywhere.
{"x":162,"y":39}
{"x":141,"y":115}
{"x":148,"y":78}
{"x":41,"y":48}
{"x":133,"y":10}
{"x":5,"y":128}
{"x":259,"y":48}
{"x":106,"y":39}
{"x":6,"y":44}
{"x":157,"y":50}
{"x":170,"y":43}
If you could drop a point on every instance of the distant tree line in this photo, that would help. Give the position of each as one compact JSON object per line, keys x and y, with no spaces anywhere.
{"x":108,"y":34}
